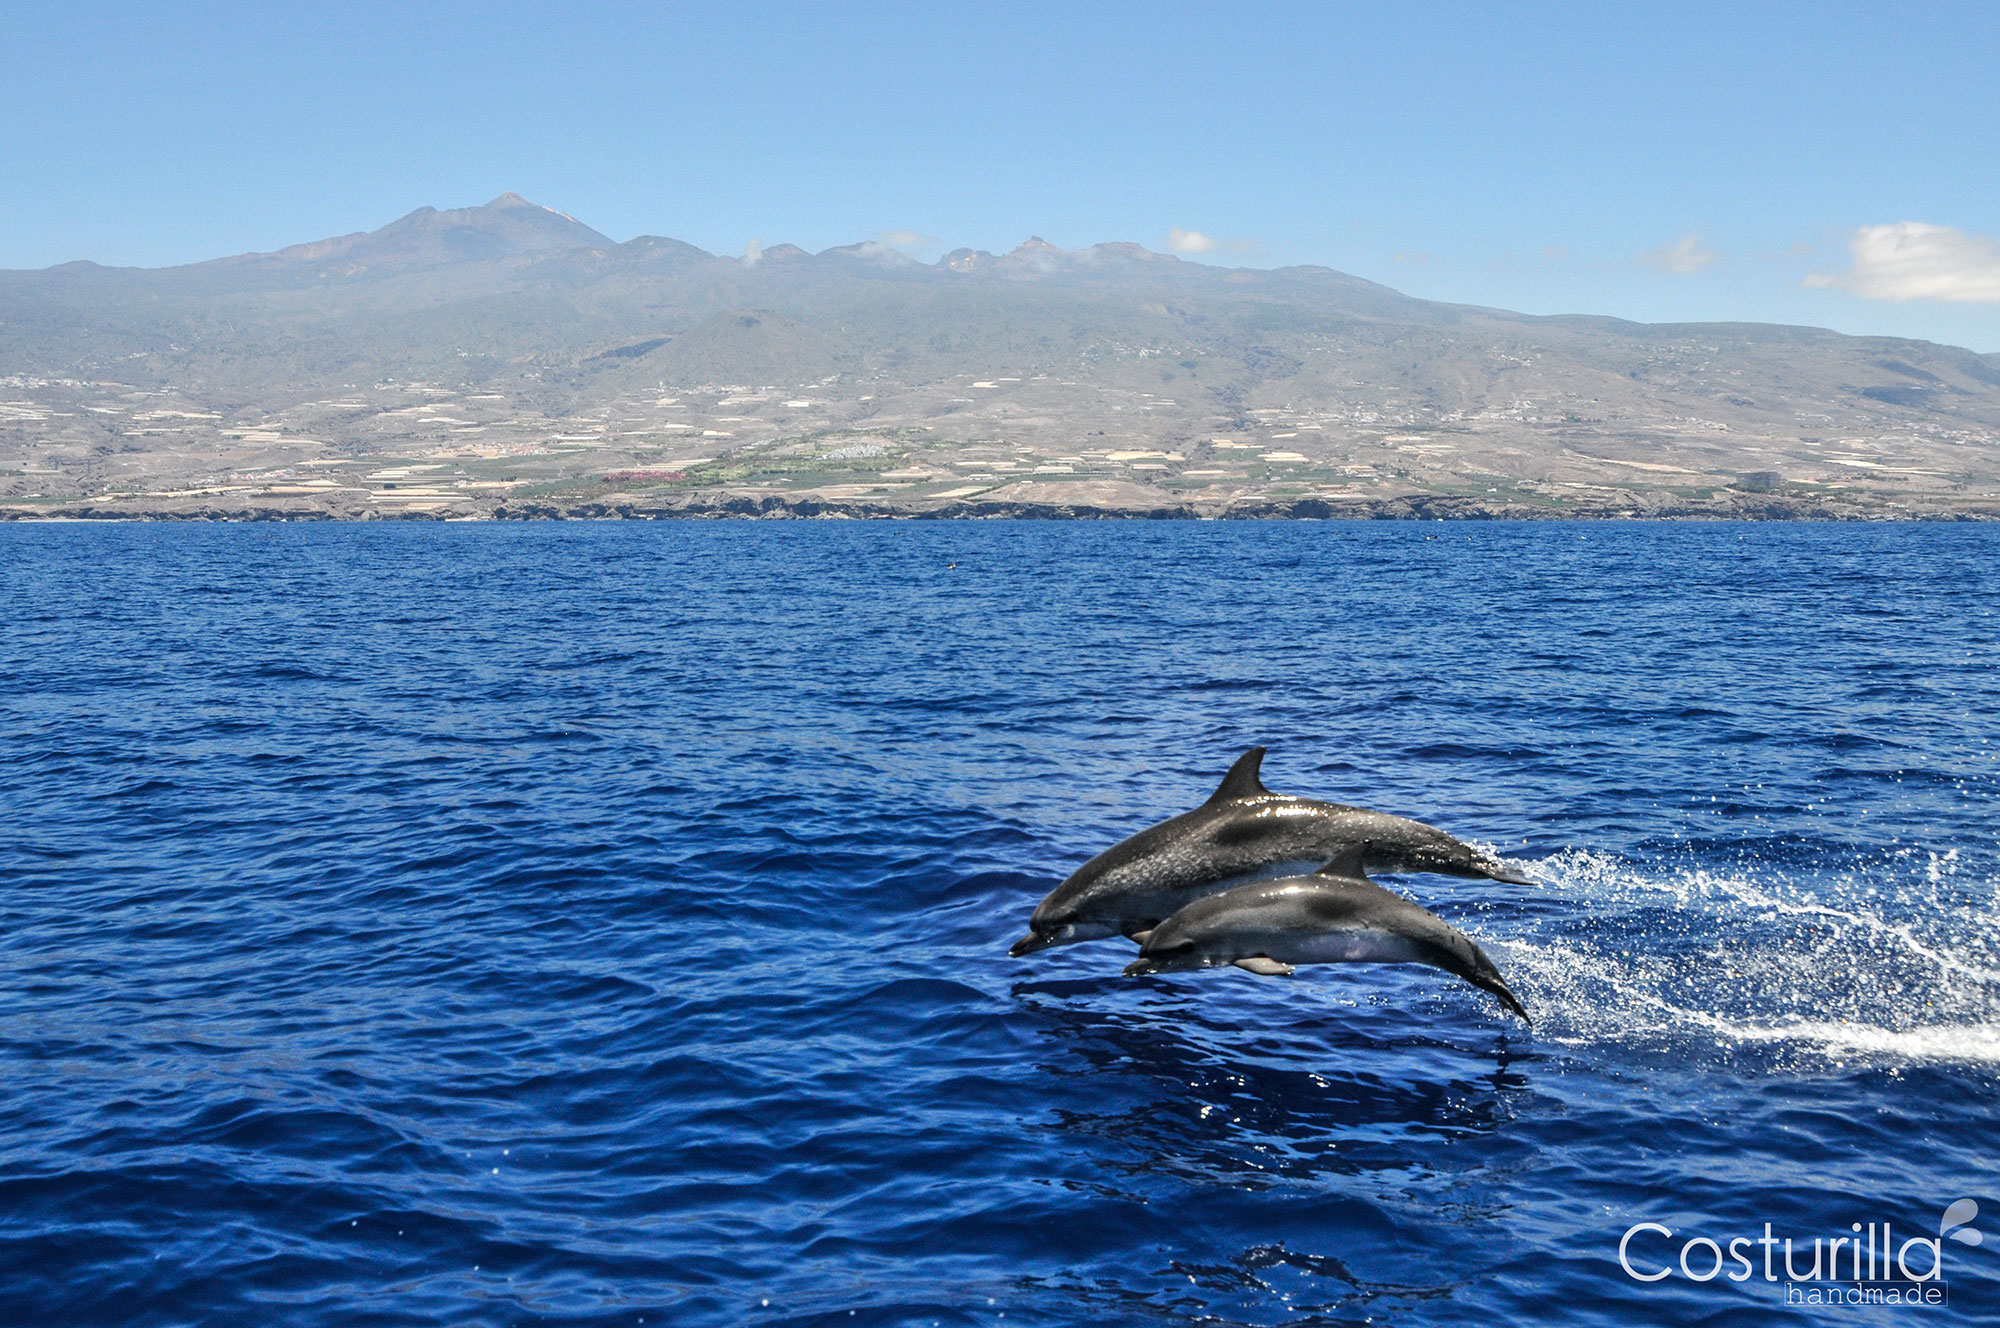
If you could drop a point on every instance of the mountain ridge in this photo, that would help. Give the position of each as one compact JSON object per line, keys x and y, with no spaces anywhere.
{"x":417,"y":238}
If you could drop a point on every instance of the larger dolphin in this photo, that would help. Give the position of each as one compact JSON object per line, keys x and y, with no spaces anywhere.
{"x":1243,"y":833}
{"x":1334,"y":916}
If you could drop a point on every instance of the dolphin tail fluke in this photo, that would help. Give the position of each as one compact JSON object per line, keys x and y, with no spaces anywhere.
{"x":1475,"y":967}
{"x":1242,"y":780}
{"x":1504,"y":871}
{"x":1028,"y":944}
{"x":1508,"y":999}
{"x":1487,"y":978}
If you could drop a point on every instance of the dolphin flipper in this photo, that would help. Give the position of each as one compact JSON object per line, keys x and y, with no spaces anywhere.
{"x":1265,"y":968}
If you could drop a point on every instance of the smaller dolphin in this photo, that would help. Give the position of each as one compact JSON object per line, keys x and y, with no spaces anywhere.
{"x":1242,"y":833}
{"x":1334,"y":916}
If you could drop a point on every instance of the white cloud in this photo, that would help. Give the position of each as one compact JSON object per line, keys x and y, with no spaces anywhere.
{"x":1411,"y":256}
{"x":1195,"y":242}
{"x":1687,"y":254}
{"x":1909,"y":260}
{"x":908,"y":239}
{"x":752,"y":252}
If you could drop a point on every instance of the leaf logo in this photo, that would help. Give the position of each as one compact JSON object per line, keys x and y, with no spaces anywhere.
{"x":1955,"y":1219}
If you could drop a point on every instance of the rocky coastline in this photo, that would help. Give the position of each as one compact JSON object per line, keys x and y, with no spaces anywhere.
{"x":751,"y":506}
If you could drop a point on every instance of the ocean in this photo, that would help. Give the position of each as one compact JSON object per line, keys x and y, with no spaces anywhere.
{"x":607,"y":923}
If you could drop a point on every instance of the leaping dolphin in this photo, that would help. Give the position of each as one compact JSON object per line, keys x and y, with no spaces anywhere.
{"x":1334,"y":916}
{"x":1243,"y":833}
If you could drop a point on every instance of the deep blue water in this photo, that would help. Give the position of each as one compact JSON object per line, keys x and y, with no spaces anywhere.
{"x":597,"y":924}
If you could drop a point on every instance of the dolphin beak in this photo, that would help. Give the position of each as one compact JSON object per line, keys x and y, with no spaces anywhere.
{"x":1501,"y":871}
{"x":1030,"y":943}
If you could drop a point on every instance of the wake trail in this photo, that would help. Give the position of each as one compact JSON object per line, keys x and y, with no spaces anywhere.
{"x":1782,"y":960}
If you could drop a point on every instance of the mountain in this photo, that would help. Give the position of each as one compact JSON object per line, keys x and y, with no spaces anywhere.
{"x":509,"y":227}
{"x":1212,"y":383}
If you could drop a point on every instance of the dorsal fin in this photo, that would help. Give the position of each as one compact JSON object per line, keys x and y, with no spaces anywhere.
{"x":1242,"y":781}
{"x":1348,"y":863}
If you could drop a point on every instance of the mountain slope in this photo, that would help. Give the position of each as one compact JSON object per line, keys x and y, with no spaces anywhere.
{"x":1213,"y":380}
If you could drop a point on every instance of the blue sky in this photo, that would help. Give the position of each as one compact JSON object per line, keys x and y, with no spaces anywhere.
{"x":1828,"y":164}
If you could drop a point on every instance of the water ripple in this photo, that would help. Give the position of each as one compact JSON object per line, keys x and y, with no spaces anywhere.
{"x":588,"y":924}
